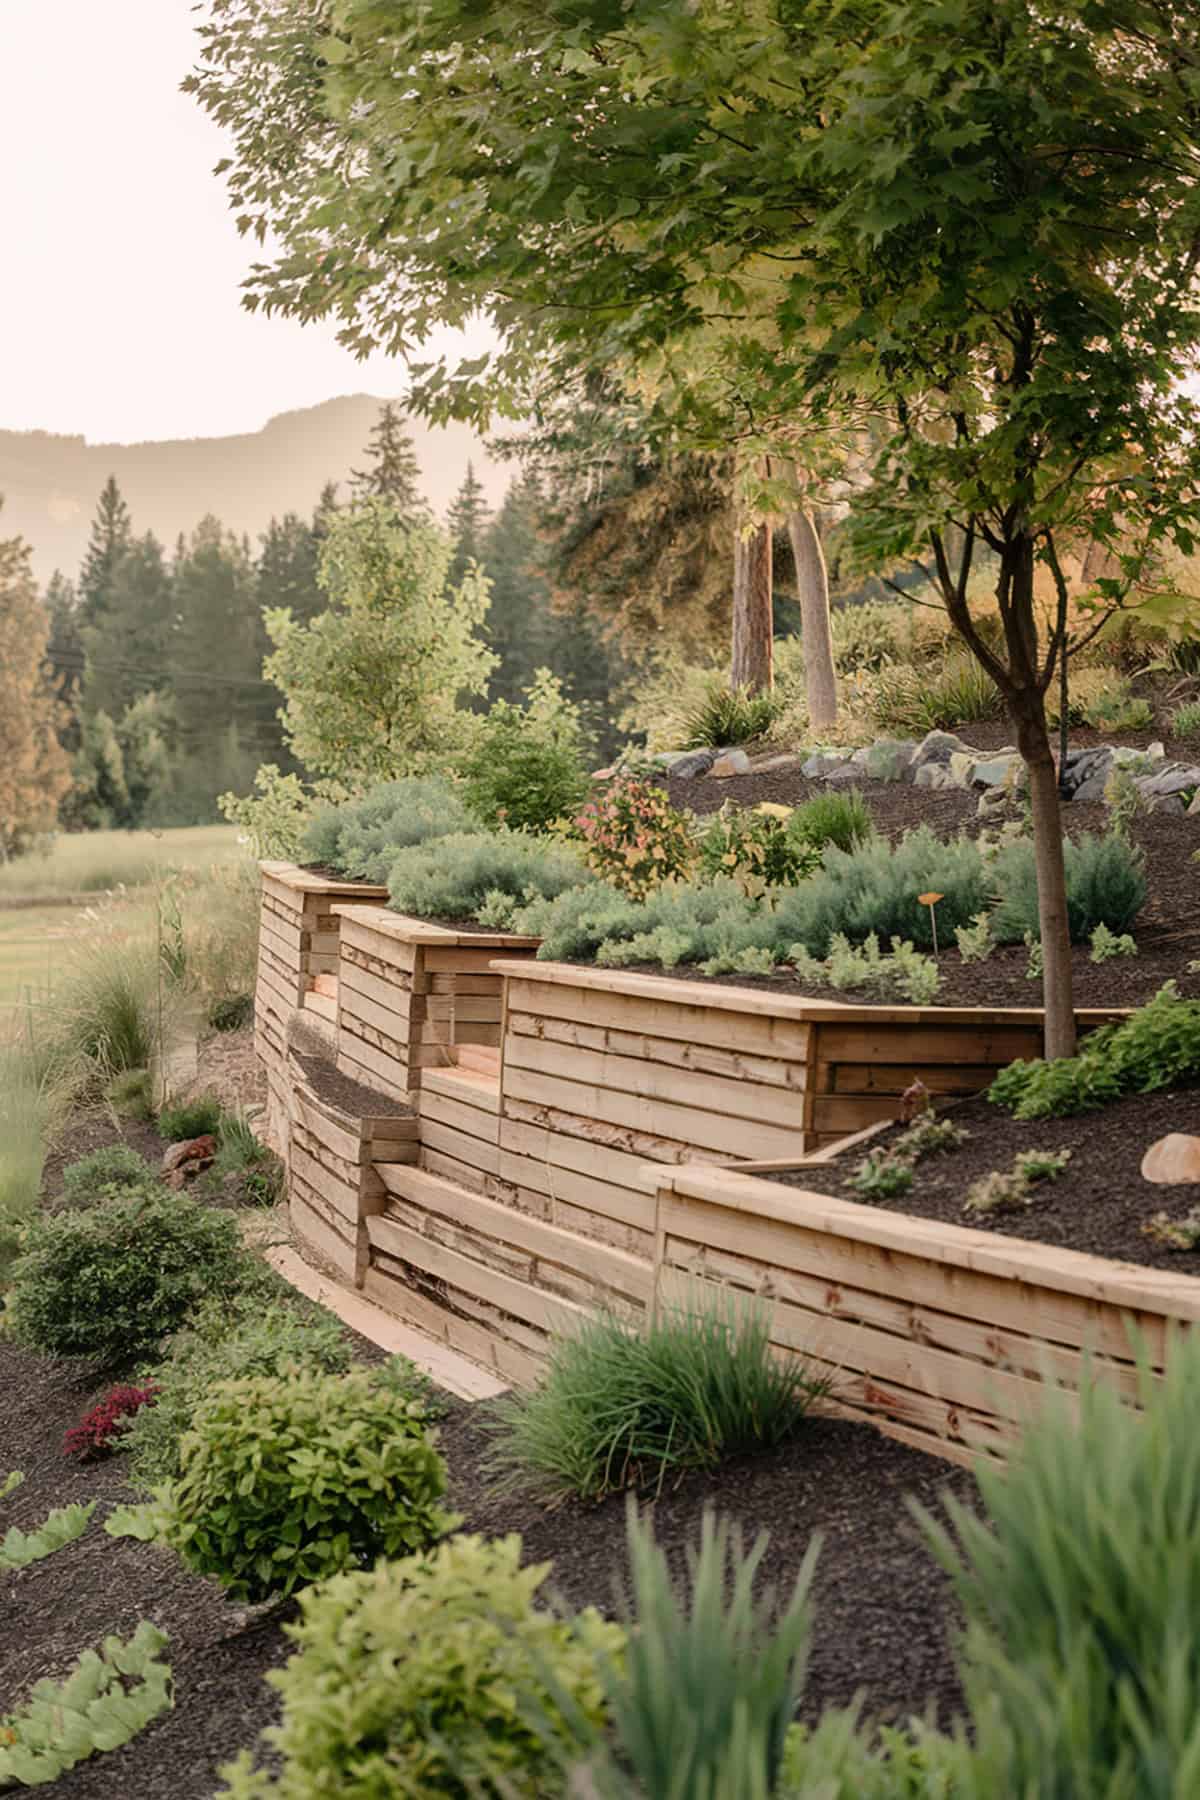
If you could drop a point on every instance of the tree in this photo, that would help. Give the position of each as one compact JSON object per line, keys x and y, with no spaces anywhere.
{"x":111,"y":535}
{"x":223,"y":708}
{"x":64,"y":657}
{"x":466,"y":522}
{"x":371,"y":686}
{"x":34,"y":773}
{"x":962,"y":240}
{"x":394,"y":474}
{"x":126,"y":641}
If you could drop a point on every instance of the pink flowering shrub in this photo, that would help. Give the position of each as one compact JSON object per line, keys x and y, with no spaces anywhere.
{"x":634,"y":837}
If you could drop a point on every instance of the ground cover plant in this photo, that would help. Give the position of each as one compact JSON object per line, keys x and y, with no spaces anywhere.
{"x":109,"y":1697}
{"x":283,"y":1482}
{"x":359,"y":838}
{"x":440,"y":1674}
{"x":1157,"y":1046}
{"x":625,"y":1405}
{"x":454,"y":877}
{"x":100,"y":1431}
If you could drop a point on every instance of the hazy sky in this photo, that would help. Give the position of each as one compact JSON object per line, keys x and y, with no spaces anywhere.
{"x":120,"y":313}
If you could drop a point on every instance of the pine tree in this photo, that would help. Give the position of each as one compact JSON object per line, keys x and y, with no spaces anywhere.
{"x":34,"y":771}
{"x":466,"y":522}
{"x":112,"y":533}
{"x":287,"y":566}
{"x":64,"y":656}
{"x":126,"y":648}
{"x":215,"y":658}
{"x":394,"y":473}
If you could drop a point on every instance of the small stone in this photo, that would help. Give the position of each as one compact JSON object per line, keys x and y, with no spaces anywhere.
{"x":1091,"y":789}
{"x":992,"y":803}
{"x":1174,"y":1159}
{"x":890,"y":759}
{"x":693,"y":763}
{"x":190,"y":1150}
{"x":1194,"y":808}
{"x":769,"y":765}
{"x":1167,"y":803}
{"x":961,"y":768}
{"x":845,"y":776}
{"x":933,"y":775}
{"x":1157,"y":750}
{"x":1176,"y":778}
{"x":669,"y":758}
{"x":820,"y":763}
{"x":734,"y":762}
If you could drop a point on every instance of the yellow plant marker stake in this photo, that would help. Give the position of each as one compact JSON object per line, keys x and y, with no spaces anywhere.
{"x":931,"y":900}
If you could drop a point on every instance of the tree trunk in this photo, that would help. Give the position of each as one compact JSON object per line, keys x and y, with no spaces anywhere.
{"x":812,"y":589}
{"x":1058,"y":996}
{"x":753,"y":618}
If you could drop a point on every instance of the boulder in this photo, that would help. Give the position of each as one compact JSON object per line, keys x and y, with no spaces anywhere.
{"x":1167,"y":803}
{"x":933,"y":775}
{"x":770,"y":765}
{"x":845,"y":776}
{"x":821,"y":762}
{"x":732,"y":762}
{"x":1091,"y":789}
{"x":938,"y":747}
{"x":993,"y":771}
{"x":693,"y":763}
{"x":993,"y":803}
{"x":1174,"y":1159}
{"x":890,"y":759}
{"x":1176,"y":778}
{"x":961,"y":768}
{"x":1084,"y":766}
{"x":667,"y":758}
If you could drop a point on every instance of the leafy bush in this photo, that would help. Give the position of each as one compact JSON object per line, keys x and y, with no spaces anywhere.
{"x":713,"y":925}
{"x":1080,"y":1585}
{"x":273,"y":819}
{"x":436,"y":1675}
{"x":115,"y":1166}
{"x":838,"y":819}
{"x":200,"y":1117}
{"x":360,"y":838}
{"x":703,"y":1702}
{"x":108,"y":1698}
{"x":452,"y":878}
{"x":1154,"y":1048}
{"x":759,"y":848}
{"x":1116,"y":709}
{"x":868,"y":636}
{"x":621,"y":1406}
{"x":232,"y":1013}
{"x":916,"y":698}
{"x":975,"y":941}
{"x":728,"y":715}
{"x":1185,"y":720}
{"x":288,"y":1481}
{"x":874,"y":889}
{"x":526,"y":768}
{"x":633,"y":837}
{"x":274,"y":1339}
{"x":110,"y":1282}
{"x":1106,"y":885}
{"x":1107,"y":944}
{"x":96,"y":1434}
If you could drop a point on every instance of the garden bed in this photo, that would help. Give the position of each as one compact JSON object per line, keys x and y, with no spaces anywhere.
{"x":883,"y":1614}
{"x":1099,"y":1204}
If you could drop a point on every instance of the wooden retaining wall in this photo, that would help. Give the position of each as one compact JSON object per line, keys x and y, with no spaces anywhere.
{"x":939,"y":1335}
{"x":297,"y":941}
{"x":336,"y":1163}
{"x":410,"y":992}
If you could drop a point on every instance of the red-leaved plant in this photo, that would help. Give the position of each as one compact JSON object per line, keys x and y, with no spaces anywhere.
{"x":634,"y":837}
{"x":96,"y":1433}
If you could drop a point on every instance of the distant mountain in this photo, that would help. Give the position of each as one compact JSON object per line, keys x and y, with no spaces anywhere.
{"x":50,"y":483}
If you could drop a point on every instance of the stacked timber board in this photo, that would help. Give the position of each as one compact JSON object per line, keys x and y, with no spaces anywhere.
{"x":410,"y":992}
{"x":939,"y":1335}
{"x":335,"y":1175}
{"x":297,"y":941}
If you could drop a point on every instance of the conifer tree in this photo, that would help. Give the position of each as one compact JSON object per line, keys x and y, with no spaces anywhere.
{"x":34,"y":772}
{"x":112,"y":533}
{"x":287,"y":566}
{"x":393,"y":474}
{"x":126,"y":647}
{"x":466,"y":523}
{"x":216,"y":668}
{"x":64,"y":656}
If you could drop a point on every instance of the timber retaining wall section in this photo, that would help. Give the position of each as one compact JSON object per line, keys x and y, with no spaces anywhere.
{"x":335,"y":1174}
{"x":941,"y":1336}
{"x":409,"y":993}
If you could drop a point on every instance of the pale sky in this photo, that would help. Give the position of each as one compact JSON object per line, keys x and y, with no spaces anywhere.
{"x":120,"y":313}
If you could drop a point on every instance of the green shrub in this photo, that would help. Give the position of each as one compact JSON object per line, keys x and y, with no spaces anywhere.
{"x":757,"y":847}
{"x":262,"y":1340}
{"x":874,"y":889}
{"x":703,"y":1702}
{"x":1185,"y":720}
{"x":1154,"y":1048}
{"x":728,"y":715}
{"x":116,"y":1166}
{"x":868,"y":636}
{"x":621,"y":1406}
{"x":838,"y":819}
{"x":634,"y":838}
{"x":1115,"y":709}
{"x":437,"y":1675}
{"x":526,"y":768}
{"x":904,"y":972}
{"x":1107,"y":944}
{"x":200,"y":1117}
{"x":287,"y":1480}
{"x":1080,"y":1585}
{"x":231,"y":1013}
{"x":131,"y":1095}
{"x":916,"y":698}
{"x":360,"y":838}
{"x":112,"y":1281}
{"x":274,"y":817}
{"x":679,"y":922}
{"x":1106,"y":885}
{"x":452,"y":878}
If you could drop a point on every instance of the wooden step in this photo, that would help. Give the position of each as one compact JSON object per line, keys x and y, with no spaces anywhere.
{"x":321,"y":1004}
{"x":325,"y":984}
{"x":480,"y":1057}
{"x":471,"y":1087}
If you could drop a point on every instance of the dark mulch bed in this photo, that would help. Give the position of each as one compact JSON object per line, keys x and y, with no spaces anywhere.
{"x":1099,"y":1204}
{"x":329,"y":1084}
{"x":96,"y":1130}
{"x":883,"y":1610}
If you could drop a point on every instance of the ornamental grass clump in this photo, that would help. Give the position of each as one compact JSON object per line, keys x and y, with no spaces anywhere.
{"x":1080,"y":1585}
{"x":287,"y":1480}
{"x":627,"y":1406}
{"x":440,"y":1674}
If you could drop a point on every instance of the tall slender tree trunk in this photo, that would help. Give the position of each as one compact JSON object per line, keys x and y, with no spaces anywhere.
{"x":812,"y":588}
{"x":753,"y":612}
{"x":1058,"y":995}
